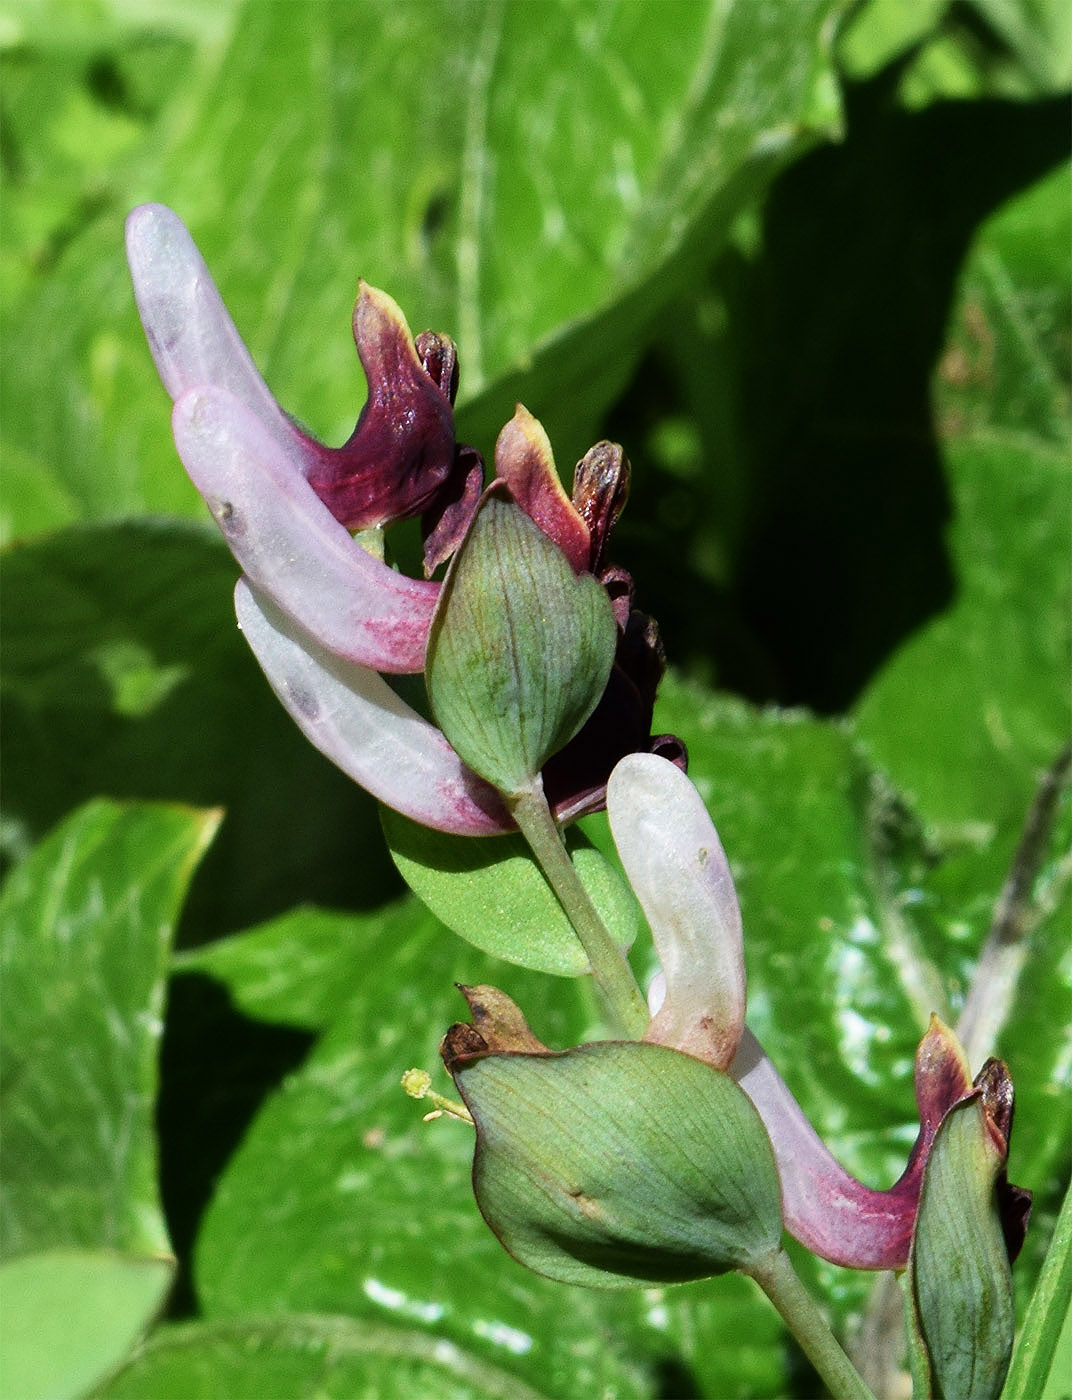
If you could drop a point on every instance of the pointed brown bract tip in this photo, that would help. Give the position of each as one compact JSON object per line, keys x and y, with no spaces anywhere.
{"x":600,"y":491}
{"x":994,"y":1084}
{"x":498,"y":1028}
{"x":524,"y":460}
{"x":501,"y":1022}
{"x":943,"y":1076}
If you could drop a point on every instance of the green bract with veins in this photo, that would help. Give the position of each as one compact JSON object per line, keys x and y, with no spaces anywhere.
{"x":520,"y":647}
{"x":616,"y":1163}
{"x":960,"y":1279}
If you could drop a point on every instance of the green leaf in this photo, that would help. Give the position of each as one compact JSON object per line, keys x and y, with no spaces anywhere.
{"x":967,"y":742}
{"x":307,"y":1358}
{"x":985,"y":48}
{"x":86,"y":921}
{"x":1005,"y":362}
{"x":296,"y":969}
{"x":1056,"y":1385}
{"x":1039,"y":32}
{"x":520,"y":647}
{"x":620,"y":1164}
{"x":536,"y":181}
{"x":70,"y":1316}
{"x":491,"y":893}
{"x":880,"y":30}
{"x":961,"y":1280}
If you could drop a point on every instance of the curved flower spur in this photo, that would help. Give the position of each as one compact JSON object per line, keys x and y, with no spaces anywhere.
{"x":676,"y":866}
{"x":322,"y":613}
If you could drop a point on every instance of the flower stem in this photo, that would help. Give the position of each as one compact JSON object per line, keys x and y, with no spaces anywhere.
{"x":777,"y":1277}
{"x":612,"y":973}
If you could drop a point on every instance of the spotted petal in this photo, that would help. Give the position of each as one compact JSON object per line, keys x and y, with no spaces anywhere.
{"x":357,"y":721}
{"x":290,"y":545}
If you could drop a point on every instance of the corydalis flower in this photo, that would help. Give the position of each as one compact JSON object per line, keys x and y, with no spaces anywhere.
{"x":676,"y":865}
{"x":323,"y":615}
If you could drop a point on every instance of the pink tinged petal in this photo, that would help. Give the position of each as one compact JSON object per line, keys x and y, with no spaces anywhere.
{"x":826,"y":1208}
{"x":402,"y":451}
{"x":289,"y":544}
{"x":191,"y":335}
{"x":523,"y":459}
{"x":943,"y":1078}
{"x":357,"y":721}
{"x":677,"y":868}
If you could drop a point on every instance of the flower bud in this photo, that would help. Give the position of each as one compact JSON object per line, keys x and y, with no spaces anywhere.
{"x":520,"y":647}
{"x":959,"y":1273}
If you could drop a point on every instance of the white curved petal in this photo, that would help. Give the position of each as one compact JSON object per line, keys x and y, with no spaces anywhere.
{"x":291,"y":546}
{"x":656,"y":992}
{"x":191,"y":335}
{"x":825,"y":1207}
{"x":355,"y":719}
{"x":676,"y":865}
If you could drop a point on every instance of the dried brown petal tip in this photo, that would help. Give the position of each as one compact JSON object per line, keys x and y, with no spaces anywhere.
{"x":600,"y":491}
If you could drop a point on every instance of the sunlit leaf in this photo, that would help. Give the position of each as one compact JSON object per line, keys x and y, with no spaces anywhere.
{"x":564,"y":167}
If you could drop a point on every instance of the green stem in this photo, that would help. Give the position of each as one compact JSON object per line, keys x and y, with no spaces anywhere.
{"x":612,"y":973}
{"x":779,"y":1281}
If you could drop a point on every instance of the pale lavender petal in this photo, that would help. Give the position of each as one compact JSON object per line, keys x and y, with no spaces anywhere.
{"x":677,"y":868}
{"x":291,"y":546}
{"x":355,"y":719}
{"x":825,"y":1208}
{"x":191,"y":335}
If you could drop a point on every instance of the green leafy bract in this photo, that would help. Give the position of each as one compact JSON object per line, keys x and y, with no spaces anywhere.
{"x":520,"y":647}
{"x":620,"y":1164}
{"x":960,"y":1277}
